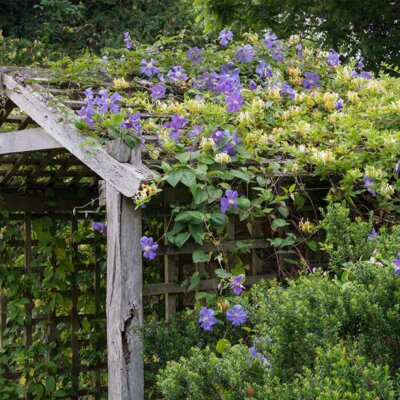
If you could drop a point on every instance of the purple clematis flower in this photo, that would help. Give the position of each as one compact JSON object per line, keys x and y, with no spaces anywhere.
{"x":310,"y":80}
{"x":369,"y":184}
{"x":219,"y":134}
{"x":195,"y":54}
{"x":396,"y":263}
{"x":299,"y":48}
{"x":177,"y":74}
{"x":225,"y":36}
{"x":360,"y":64}
{"x":157,"y":91}
{"x":207,"y":319}
{"x":127,"y":40}
{"x":397,"y":167}
{"x":245,"y":53}
{"x":373,"y":235}
{"x":287,"y":89}
{"x":100,"y":227}
{"x":255,"y":353}
{"x":106,"y":103}
{"x":234,"y":102}
{"x":263,"y":70}
{"x":236,"y":285}
{"x":86,"y":115}
{"x":333,"y":59}
{"x":269,"y":39}
{"x":176,"y":123}
{"x":252,"y":85}
{"x":227,"y":84}
{"x":88,"y":96}
{"x":339,"y":105}
{"x":365,"y":75}
{"x":229,"y":200}
{"x":148,"y":68}
{"x":230,"y":145}
{"x":149,"y":248}
{"x":237,"y":315}
{"x":133,"y":122}
{"x":278,"y":55}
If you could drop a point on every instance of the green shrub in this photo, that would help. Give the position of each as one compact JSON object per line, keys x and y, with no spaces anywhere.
{"x":338,"y":374}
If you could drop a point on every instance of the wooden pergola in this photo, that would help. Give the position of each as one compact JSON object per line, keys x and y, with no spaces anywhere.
{"x":45,"y":135}
{"x":46,"y":150}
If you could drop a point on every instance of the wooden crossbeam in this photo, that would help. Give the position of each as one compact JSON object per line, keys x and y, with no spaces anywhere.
{"x":46,"y":112}
{"x":27,"y":140}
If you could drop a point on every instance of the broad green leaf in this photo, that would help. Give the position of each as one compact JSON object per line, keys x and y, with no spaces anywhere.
{"x":188,"y":178}
{"x":194,"y":281}
{"x":222,"y":345}
{"x":181,"y":238}
{"x":278,"y":223}
{"x":174,"y":177}
{"x":200,"y":256}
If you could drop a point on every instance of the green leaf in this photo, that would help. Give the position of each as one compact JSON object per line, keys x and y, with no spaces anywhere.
{"x":199,"y":193}
{"x":278,"y":223}
{"x":241,"y":175}
{"x":197,"y":233}
{"x":223,"y":273}
{"x":200,"y":295}
{"x":313,"y":245}
{"x":174,"y":177}
{"x":222,"y":345}
{"x":200,"y":256}
{"x":188,"y":178}
{"x":50,"y":384}
{"x":181,"y":238}
{"x":194,"y":281}
{"x":183,"y":157}
{"x":218,"y":218}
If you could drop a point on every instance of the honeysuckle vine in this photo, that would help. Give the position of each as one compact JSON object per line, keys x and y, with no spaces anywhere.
{"x":239,"y":124}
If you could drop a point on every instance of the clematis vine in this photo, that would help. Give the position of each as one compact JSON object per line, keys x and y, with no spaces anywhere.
{"x":236,"y":285}
{"x":396,"y":263}
{"x":269,"y":39}
{"x":207,"y":319}
{"x":195,"y":54}
{"x":373,"y":235}
{"x":311,"y":80}
{"x":245,"y":54}
{"x":237,"y":315}
{"x":397,"y":167}
{"x":157,"y":92}
{"x":263,"y":70}
{"x":333,"y":59}
{"x":105,"y":103}
{"x":255,"y":353}
{"x":253,"y":85}
{"x":132,"y":123}
{"x":177,"y":75}
{"x":369,"y":184}
{"x":229,"y":201}
{"x":86,"y":115}
{"x":339,"y":105}
{"x":127,"y":40}
{"x":225,"y":36}
{"x":148,"y":68}
{"x":149,"y":248}
{"x":287,"y":89}
{"x":234,"y":102}
{"x":100,"y":227}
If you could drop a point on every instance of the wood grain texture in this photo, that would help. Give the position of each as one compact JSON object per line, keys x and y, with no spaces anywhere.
{"x":124,"y":297}
{"x":20,"y":141}
{"x":56,"y":119}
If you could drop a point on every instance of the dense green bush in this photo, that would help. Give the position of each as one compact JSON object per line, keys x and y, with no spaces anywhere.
{"x":324,"y":337}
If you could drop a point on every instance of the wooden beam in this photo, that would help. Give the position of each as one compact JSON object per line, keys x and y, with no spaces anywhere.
{"x":57,"y":119}
{"x":27,"y":140}
{"x":124,"y":290}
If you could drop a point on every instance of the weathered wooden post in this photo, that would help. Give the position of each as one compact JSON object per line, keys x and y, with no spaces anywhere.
{"x":124,"y":287}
